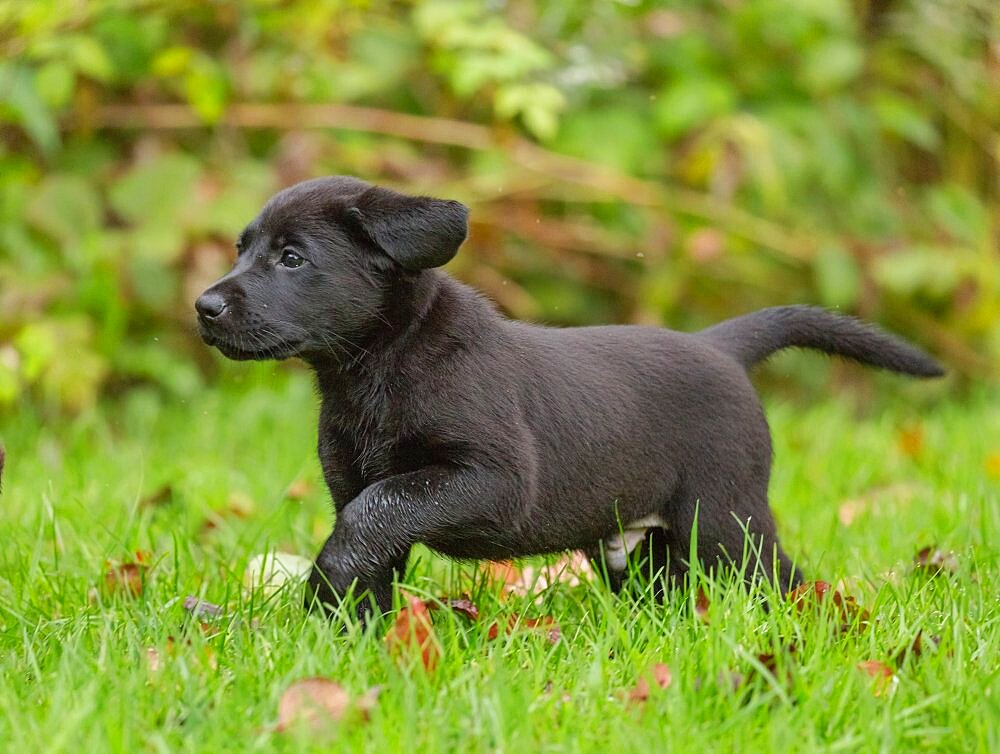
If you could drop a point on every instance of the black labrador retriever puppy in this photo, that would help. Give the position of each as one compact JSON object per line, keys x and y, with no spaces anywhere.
{"x":444,"y":423}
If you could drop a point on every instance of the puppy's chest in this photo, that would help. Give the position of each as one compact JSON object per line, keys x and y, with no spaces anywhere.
{"x":372,"y":444}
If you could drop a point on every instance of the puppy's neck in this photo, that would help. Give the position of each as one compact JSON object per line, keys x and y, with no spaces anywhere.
{"x":396,"y":336}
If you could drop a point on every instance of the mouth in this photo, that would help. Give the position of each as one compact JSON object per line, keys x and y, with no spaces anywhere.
{"x":250,"y":346}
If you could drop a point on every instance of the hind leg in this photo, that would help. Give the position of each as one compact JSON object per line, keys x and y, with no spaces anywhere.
{"x":724,"y":500}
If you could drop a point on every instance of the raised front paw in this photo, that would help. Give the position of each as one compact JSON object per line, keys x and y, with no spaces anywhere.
{"x":330,"y":589}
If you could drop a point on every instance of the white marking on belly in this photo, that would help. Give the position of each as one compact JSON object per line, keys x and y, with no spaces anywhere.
{"x":619,"y":545}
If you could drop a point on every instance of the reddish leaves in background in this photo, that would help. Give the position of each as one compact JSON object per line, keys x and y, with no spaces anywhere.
{"x":572,"y":569}
{"x":202,"y":609}
{"x":552,"y":631}
{"x":661,"y":677}
{"x":300,"y":489}
{"x":701,"y":605}
{"x":161,"y":496}
{"x":911,"y":440}
{"x":882,"y":673}
{"x":934,"y":561}
{"x":316,"y":702}
{"x":129,"y":577}
{"x":463,"y":606}
{"x":915,"y":649}
{"x":238,"y":506}
{"x":812,"y":594}
{"x":412,"y":635}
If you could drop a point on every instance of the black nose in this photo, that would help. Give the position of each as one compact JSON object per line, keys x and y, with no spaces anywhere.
{"x":210,"y":305}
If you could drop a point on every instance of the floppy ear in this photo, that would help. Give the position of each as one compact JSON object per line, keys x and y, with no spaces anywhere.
{"x":416,"y":231}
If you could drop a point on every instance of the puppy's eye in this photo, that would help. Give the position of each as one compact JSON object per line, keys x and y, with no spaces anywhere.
{"x":290,"y":259}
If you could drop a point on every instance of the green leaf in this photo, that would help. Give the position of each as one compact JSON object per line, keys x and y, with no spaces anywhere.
{"x":172,"y":61}
{"x":89,"y":57}
{"x":929,"y":271}
{"x":689,"y":103}
{"x":54,"y":83}
{"x":831,"y":64}
{"x":538,"y":105}
{"x":38,"y":344}
{"x":959,"y":212}
{"x":65,"y":207}
{"x":902,"y":118}
{"x":156,"y":191}
{"x":207,"y":89}
{"x":23,"y":105}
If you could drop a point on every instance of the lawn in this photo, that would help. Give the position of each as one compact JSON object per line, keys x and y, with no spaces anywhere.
{"x":199,"y":487}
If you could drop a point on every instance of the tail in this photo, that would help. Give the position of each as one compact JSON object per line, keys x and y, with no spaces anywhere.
{"x":753,"y":337}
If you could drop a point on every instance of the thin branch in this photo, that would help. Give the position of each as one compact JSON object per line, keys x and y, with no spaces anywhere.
{"x":603,"y":180}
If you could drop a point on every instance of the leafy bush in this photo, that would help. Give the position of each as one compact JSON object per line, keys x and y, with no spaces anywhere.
{"x":625,"y":161}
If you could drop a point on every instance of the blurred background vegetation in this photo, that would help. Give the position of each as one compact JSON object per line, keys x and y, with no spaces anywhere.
{"x":653,"y":162}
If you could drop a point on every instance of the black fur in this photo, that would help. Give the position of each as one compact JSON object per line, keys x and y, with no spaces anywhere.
{"x":444,"y":423}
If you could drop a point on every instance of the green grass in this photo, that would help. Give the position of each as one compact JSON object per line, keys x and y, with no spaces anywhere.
{"x":74,"y":668}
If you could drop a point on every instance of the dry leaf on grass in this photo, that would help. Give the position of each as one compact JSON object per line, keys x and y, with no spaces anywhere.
{"x":897,"y":494}
{"x":915,"y":648}
{"x":514,"y":622}
{"x":701,"y":605}
{"x":463,"y":606}
{"x":412,"y":635}
{"x":992,"y":464}
{"x":933,"y":561}
{"x":812,"y":594}
{"x":317,"y":702}
{"x":572,"y":569}
{"x":128,"y":577}
{"x":885,"y":679}
{"x":270,"y":571}
{"x":661,"y":676}
{"x":161,"y":496}
{"x":202,"y":609}
{"x":299,"y":489}
{"x":239,"y":506}
{"x":911,"y":440}
{"x":155,"y":658}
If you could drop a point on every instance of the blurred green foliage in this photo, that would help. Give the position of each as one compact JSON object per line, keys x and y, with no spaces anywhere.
{"x":626,"y":161}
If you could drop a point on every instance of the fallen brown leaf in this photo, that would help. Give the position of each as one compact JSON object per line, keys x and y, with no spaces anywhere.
{"x":514,"y":622}
{"x":898,"y":494}
{"x":733,"y":680}
{"x":933,"y":561}
{"x":915,"y":648}
{"x":882,"y":674}
{"x":238,"y":506}
{"x":661,"y":676}
{"x":202,"y":609}
{"x":992,"y":464}
{"x":413,"y":633}
{"x":812,"y":594}
{"x":299,"y":489}
{"x":572,"y":569}
{"x":128,"y":577}
{"x":463,"y":606}
{"x":701,"y":605}
{"x":312,"y":702}
{"x":162,"y":495}
{"x":911,"y":440}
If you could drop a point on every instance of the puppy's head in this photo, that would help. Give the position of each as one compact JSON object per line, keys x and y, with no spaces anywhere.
{"x":314,"y":267}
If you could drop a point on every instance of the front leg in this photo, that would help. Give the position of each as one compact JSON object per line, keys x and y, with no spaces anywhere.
{"x":373,"y":534}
